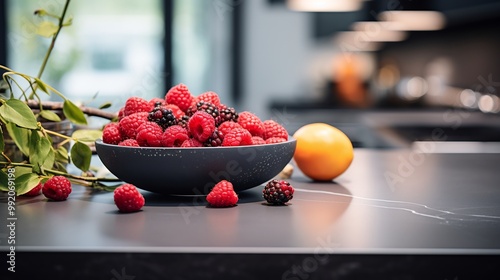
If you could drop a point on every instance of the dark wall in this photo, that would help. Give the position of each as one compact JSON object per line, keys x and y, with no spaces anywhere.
{"x":472,"y":48}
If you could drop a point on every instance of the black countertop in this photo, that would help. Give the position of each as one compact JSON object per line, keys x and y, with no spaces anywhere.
{"x":390,"y":207}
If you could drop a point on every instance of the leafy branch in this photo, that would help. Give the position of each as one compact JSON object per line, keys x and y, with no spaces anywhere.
{"x":45,"y":152}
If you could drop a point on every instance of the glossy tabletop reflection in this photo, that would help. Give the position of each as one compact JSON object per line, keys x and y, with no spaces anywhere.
{"x":389,"y":201}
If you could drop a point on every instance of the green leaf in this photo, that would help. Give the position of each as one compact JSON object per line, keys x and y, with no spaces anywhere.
{"x":81,"y":155}
{"x":61,"y":155}
{"x":47,"y":29}
{"x":4,"y":181}
{"x":42,"y":86}
{"x":73,"y":113}
{"x":49,"y":115}
{"x":16,"y":111}
{"x":60,"y":167}
{"x":26,"y":182}
{"x":50,"y":159}
{"x":20,"y":136}
{"x":2,"y":143}
{"x":105,"y":105}
{"x":39,"y":150}
{"x":87,"y":135}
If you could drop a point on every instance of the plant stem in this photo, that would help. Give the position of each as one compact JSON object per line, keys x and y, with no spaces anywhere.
{"x":52,"y":44}
{"x":56,"y":172}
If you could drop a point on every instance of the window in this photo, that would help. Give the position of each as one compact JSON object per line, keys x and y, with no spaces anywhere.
{"x":113,"y":49}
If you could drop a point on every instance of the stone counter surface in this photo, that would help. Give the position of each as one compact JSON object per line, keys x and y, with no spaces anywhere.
{"x":412,"y":210}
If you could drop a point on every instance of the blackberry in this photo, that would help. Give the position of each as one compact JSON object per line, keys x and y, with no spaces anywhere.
{"x":163,"y":117}
{"x":215,"y":140}
{"x":183,"y":121}
{"x":208,"y":107}
{"x":278,"y":192}
{"x":227,"y":114}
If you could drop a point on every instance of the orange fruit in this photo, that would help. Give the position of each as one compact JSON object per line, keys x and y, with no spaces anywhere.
{"x":323,"y":152}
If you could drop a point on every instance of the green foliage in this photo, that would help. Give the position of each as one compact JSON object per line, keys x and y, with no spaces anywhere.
{"x":43,"y":157}
{"x":17,"y":112}
{"x":80,"y":156}
{"x":73,"y":113}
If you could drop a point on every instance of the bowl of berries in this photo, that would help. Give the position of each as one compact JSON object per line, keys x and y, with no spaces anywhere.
{"x":185,"y":144}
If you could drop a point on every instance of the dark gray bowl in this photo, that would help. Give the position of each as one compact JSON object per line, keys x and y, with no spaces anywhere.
{"x":190,"y":171}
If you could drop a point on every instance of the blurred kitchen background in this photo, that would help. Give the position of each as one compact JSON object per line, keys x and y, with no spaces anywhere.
{"x":384,"y":71}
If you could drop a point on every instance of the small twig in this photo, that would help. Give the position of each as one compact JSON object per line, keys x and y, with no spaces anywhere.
{"x":58,"y":106}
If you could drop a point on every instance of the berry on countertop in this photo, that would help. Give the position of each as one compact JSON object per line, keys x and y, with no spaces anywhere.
{"x":210,"y":97}
{"x":36,"y":191}
{"x":149,"y":135}
{"x":129,"y":143}
{"x":162,"y":116}
{"x":201,"y":125}
{"x":222,"y":195}
{"x":278,"y":192}
{"x":180,"y":96}
{"x":136,"y":105}
{"x":252,"y":123}
{"x":129,"y":124}
{"x":57,"y":188}
{"x":274,"y":129}
{"x":174,"y":136}
{"x":274,"y":140}
{"x":237,"y":137}
{"x":128,"y":199}
{"x":111,"y":133}
{"x":121,"y":113}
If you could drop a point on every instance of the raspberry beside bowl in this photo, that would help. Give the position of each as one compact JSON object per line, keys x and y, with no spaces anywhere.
{"x":194,"y":171}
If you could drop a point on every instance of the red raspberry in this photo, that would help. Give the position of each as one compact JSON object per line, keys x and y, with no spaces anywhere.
{"x":111,"y":133}
{"x":201,"y":125}
{"x":129,"y":124}
{"x":34,"y":191}
{"x":179,"y":95}
{"x":210,"y":97}
{"x":153,"y":102}
{"x":57,"y":188}
{"x":237,"y":137}
{"x":178,"y":113}
{"x":128,"y":198}
{"x":174,"y":136}
{"x":256,"y":140}
{"x":274,"y":129}
{"x":121,"y":113}
{"x":191,"y":143}
{"x":274,"y":140}
{"x":136,"y":105}
{"x":222,"y":195}
{"x":226,"y":127}
{"x":129,"y":143}
{"x":149,"y":135}
{"x":252,"y":123}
